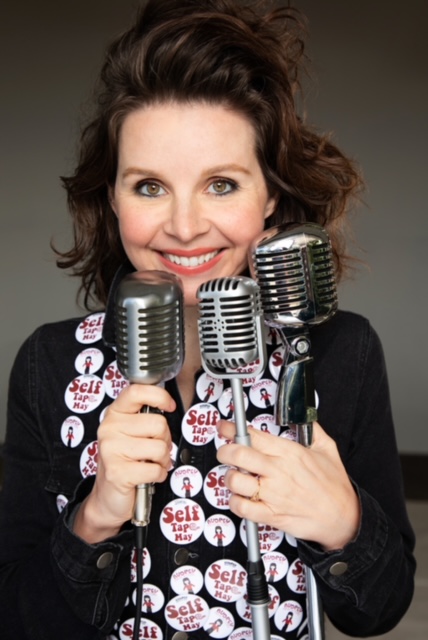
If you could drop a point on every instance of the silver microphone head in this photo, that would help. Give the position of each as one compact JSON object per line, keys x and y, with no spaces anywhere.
{"x":293,"y":266}
{"x":231,"y":329}
{"x":149,"y":326}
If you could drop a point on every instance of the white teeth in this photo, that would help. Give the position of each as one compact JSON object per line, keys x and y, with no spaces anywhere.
{"x":194,"y":261}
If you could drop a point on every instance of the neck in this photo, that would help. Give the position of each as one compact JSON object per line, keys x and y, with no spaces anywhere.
{"x":192,"y":359}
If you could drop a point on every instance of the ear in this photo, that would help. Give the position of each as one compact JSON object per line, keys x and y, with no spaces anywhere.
{"x":111,"y":199}
{"x":270,"y":206}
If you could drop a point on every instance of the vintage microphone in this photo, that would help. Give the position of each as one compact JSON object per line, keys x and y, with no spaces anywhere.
{"x":149,"y":330}
{"x":231,"y":336}
{"x":149,"y":341}
{"x":294,"y":268}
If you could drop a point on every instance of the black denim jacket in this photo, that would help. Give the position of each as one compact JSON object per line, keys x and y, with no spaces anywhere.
{"x":53,"y":585}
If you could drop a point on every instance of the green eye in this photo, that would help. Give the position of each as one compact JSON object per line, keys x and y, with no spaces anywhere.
{"x":221,"y":187}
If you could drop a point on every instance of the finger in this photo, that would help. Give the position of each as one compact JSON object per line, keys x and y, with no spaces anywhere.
{"x":139,"y":425}
{"x":245,"y":458}
{"x":244,"y":484}
{"x":135,"y":396}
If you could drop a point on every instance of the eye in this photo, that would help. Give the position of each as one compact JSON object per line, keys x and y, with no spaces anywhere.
{"x":150,"y":189}
{"x":221,"y":187}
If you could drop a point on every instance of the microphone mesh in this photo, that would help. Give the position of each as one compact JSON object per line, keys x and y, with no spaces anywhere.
{"x":296,"y":275}
{"x":228,"y":309}
{"x":158,"y":345}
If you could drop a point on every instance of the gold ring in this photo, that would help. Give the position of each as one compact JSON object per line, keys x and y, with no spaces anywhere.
{"x":256,"y":495}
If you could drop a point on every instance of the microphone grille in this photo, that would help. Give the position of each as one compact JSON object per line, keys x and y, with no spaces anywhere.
{"x":149,"y":327}
{"x":229,"y":322}
{"x":295,"y":271}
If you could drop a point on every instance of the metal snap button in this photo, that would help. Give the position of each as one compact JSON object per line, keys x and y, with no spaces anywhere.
{"x":186,"y":456}
{"x":181,"y":556}
{"x":338,"y":568}
{"x":105,"y":560}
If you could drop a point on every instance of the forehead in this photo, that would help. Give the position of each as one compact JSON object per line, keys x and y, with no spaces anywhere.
{"x":196,"y":127}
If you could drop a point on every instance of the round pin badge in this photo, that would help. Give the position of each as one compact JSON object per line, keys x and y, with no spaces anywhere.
{"x":242,"y":633}
{"x":153,"y":599}
{"x":226,"y":580}
{"x":182,"y":521}
{"x":219,"y":530}
{"x":89,"y":361}
{"x":209,"y":389}
{"x":220,"y":623}
{"x":187,"y":579}
{"x":296,"y":577}
{"x":84,"y":394}
{"x":226,"y":404}
{"x":288,"y":616}
{"x":186,"y":481}
{"x":186,"y":613}
{"x":148,"y":629}
{"x":147,"y":564}
{"x":276,"y":361}
{"x":89,"y":459}
{"x":215,"y":490}
{"x":72,"y":431}
{"x":114,"y":381}
{"x":199,"y":424}
{"x":263,"y":393}
{"x":269,"y":537}
{"x":276,"y":566}
{"x":266,"y":422}
{"x":91,"y":328}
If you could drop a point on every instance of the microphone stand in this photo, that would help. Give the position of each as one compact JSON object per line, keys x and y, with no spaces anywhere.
{"x":295,"y":406}
{"x":257,"y":589}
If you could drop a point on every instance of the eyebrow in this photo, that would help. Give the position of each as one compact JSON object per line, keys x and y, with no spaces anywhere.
{"x":141,"y":171}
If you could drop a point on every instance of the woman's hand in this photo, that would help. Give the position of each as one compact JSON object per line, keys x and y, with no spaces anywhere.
{"x":133,"y":448}
{"x":303,"y":491}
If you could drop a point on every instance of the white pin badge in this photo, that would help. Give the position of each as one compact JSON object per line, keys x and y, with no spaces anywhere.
{"x":182,"y":521}
{"x":91,"y":328}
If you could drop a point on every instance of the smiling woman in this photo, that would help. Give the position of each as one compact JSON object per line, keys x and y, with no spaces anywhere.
{"x":195,"y":147}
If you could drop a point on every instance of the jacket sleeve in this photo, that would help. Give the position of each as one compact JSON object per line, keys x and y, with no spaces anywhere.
{"x":52,"y":584}
{"x":367,"y":587}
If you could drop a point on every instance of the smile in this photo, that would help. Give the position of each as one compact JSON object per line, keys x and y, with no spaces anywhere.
{"x":190,"y":261}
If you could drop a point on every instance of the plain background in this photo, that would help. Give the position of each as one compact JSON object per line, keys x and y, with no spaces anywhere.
{"x":370,"y":89}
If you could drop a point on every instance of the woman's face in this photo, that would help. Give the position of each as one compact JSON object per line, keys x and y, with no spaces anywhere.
{"x":189,"y":194}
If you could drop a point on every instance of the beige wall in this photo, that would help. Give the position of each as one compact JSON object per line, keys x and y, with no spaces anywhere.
{"x":371,"y":62}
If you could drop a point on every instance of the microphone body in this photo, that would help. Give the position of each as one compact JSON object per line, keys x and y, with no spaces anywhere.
{"x":294,"y":268}
{"x":150,"y":343}
{"x":232,"y":341}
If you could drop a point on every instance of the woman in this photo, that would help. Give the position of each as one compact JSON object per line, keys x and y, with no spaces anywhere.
{"x":195,"y":147}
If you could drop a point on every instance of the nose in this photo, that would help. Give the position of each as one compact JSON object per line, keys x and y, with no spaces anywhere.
{"x":187,"y":219}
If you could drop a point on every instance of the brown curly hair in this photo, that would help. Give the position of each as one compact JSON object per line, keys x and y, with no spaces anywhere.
{"x":247,"y":56}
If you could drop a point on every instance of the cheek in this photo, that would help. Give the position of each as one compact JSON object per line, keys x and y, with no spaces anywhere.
{"x":134,"y":230}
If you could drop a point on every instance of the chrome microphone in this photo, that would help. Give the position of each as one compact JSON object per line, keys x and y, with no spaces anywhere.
{"x":294,"y":268}
{"x":233,"y":346}
{"x":231,"y":328}
{"x":149,"y":330}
